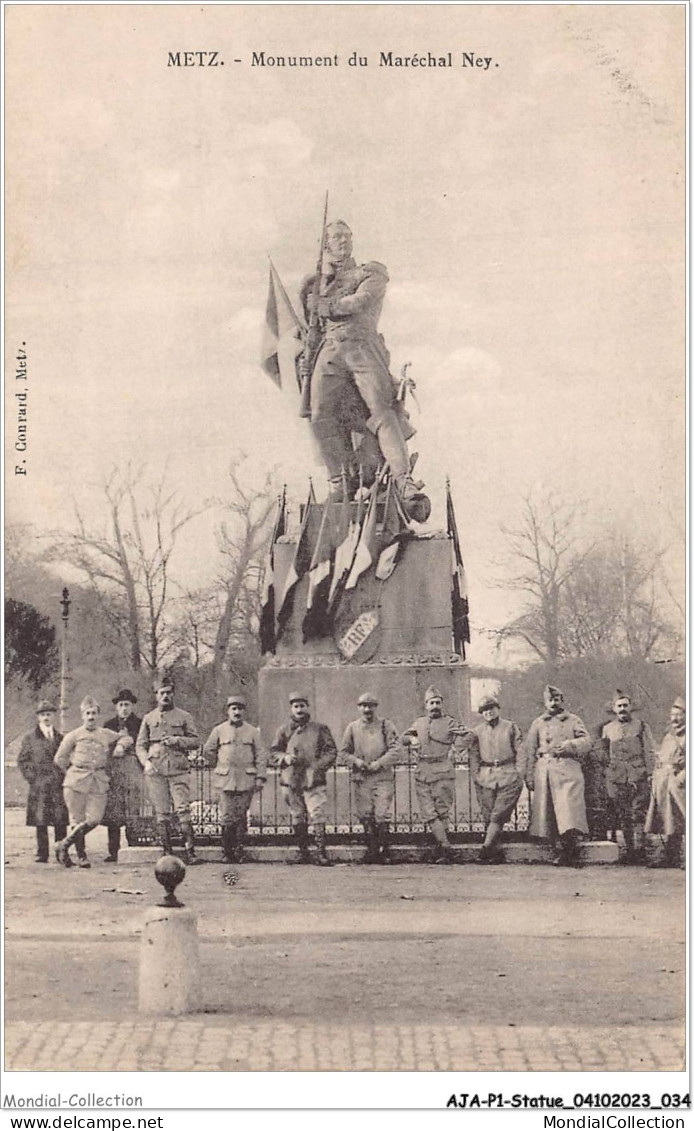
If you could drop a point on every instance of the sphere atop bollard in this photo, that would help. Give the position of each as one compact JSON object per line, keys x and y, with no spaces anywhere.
{"x":169,"y":871}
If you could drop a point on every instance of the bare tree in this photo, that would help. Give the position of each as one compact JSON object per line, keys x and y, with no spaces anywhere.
{"x":602,"y":598}
{"x":127,"y":562}
{"x":544,"y":551}
{"x":241,"y":539}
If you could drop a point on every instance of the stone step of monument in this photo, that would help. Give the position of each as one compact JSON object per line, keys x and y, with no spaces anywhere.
{"x":595,"y":852}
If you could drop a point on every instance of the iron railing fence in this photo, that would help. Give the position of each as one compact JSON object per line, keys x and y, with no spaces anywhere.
{"x":269,"y":821}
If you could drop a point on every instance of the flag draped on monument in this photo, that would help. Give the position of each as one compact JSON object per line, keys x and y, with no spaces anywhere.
{"x":396,"y":530}
{"x":300,"y":564}
{"x":267,"y":613}
{"x":459,"y":599}
{"x":281,"y":324}
{"x":347,"y":538}
{"x":315,"y":622}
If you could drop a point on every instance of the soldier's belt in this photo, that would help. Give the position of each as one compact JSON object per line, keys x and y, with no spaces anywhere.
{"x":497,"y":762}
{"x":426,"y":758}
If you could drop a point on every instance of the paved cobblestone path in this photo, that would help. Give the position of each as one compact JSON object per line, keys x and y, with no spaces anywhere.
{"x":251,"y":1045}
{"x":511,"y":968}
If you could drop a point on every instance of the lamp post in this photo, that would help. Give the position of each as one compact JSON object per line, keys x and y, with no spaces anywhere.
{"x":64,"y":662}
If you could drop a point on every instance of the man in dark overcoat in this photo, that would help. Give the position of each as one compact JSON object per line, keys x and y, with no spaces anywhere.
{"x":45,"y":805}
{"x":126,"y":786}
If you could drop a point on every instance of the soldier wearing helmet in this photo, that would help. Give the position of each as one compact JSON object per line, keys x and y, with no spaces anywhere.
{"x":667,"y":809}
{"x":556,"y":742}
{"x":434,"y":740}
{"x":304,"y":751}
{"x":235,"y":751}
{"x":370,"y":747}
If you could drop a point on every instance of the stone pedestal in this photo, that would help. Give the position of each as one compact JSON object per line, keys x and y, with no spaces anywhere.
{"x":170,"y":982}
{"x":391,"y":637}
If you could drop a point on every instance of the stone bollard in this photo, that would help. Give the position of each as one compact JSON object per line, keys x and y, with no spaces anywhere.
{"x":169,"y":956}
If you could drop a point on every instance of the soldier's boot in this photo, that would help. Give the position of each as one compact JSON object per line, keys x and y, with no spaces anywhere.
{"x":41,"y":845}
{"x":491,"y":852}
{"x":62,"y":848}
{"x":240,"y":856}
{"x":371,"y":854}
{"x":301,"y":834}
{"x":569,"y":854}
{"x":82,"y":858}
{"x":189,"y":856}
{"x":443,"y":850}
{"x":164,"y":829}
{"x":113,"y":845}
{"x":322,"y":858}
{"x":638,"y":854}
{"x":228,"y":843}
{"x":383,"y":838}
{"x":672,"y":851}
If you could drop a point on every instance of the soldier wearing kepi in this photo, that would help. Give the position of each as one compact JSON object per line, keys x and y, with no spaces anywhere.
{"x":125,"y":787}
{"x":434,"y":739}
{"x":304,"y":751}
{"x":236,"y":753}
{"x":667,"y":808}
{"x":370,"y":747}
{"x":629,"y":747}
{"x":556,"y":741}
{"x":495,"y":760}
{"x":351,"y":388}
{"x":167,"y":739}
{"x":86,"y":754}
{"x":45,"y":804}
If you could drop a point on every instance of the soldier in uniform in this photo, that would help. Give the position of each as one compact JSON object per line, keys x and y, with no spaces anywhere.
{"x":86,"y":753}
{"x":667,"y":808}
{"x":556,"y":742}
{"x":236,"y":753}
{"x":125,"y":788}
{"x":168,"y":736}
{"x":629,"y":747}
{"x":351,"y":388}
{"x":495,"y":760}
{"x":45,"y":805}
{"x":304,"y":751}
{"x":370,"y":747}
{"x":434,"y":739}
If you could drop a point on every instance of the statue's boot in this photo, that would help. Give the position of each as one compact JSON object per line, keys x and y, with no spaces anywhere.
{"x":394,"y":449}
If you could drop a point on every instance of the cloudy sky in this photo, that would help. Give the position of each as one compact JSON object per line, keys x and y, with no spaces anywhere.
{"x":530,"y":215}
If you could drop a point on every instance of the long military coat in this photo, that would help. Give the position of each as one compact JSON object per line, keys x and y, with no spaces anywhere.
{"x":559,"y":798}
{"x":125,"y":791}
{"x":45,"y":805}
